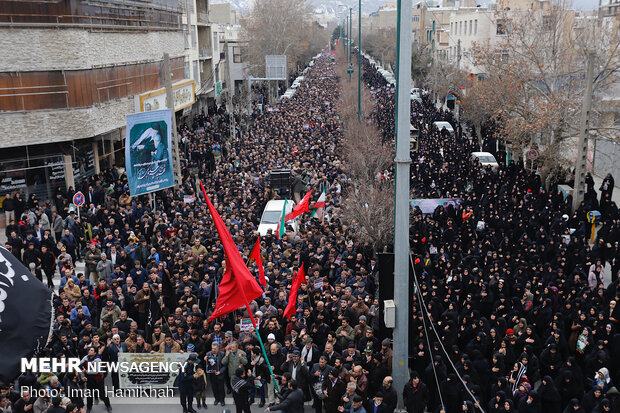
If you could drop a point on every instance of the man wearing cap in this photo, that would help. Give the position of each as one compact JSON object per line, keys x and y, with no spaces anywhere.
{"x":298,"y":371}
{"x":185,"y":383}
{"x":386,"y":353}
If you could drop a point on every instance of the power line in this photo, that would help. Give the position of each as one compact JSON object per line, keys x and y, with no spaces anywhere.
{"x":422,"y":304}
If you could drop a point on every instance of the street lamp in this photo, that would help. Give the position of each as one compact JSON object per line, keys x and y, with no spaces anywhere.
{"x":359,"y":62}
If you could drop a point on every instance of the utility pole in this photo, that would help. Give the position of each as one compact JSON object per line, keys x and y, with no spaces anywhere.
{"x":582,"y":145}
{"x":400,"y":363}
{"x":359,"y":62}
{"x":229,"y":89}
{"x":176,"y":160}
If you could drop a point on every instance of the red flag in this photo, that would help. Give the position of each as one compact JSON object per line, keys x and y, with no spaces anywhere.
{"x":303,"y":206}
{"x":255,"y":255}
{"x":292,"y":299}
{"x":238,"y":287}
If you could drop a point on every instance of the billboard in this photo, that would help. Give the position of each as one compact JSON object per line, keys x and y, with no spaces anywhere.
{"x":184,"y":93}
{"x":275,"y":67}
{"x":148,"y":152}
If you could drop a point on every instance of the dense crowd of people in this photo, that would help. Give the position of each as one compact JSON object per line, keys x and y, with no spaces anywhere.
{"x":523,"y":312}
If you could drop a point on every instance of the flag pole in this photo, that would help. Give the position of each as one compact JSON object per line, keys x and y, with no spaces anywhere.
{"x":247,"y":305}
{"x":262,"y":346}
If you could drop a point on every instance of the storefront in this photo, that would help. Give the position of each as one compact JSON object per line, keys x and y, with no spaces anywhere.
{"x":43,"y":169}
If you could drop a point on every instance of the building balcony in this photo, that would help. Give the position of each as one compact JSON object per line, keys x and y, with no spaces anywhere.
{"x":205,"y":53}
{"x":202,"y":18}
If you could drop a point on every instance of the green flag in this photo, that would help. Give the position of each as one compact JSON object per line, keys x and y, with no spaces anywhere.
{"x":282,"y":224}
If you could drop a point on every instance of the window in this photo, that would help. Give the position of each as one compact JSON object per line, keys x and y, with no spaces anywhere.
{"x":547,"y":23}
{"x":501,"y":27}
{"x":196,"y":75}
{"x":236,"y":54}
{"x":194,"y":36}
{"x":451,"y":31}
{"x":216,"y":41}
{"x":186,"y":71}
{"x":471,"y":24}
{"x":475,"y":27}
{"x":185,"y":37}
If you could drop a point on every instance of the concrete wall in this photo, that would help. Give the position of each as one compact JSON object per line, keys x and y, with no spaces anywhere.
{"x":43,"y":126}
{"x":606,"y":159}
{"x":53,"y":49}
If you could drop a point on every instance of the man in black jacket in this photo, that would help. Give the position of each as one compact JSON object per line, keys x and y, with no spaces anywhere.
{"x":48,"y":265}
{"x":186,"y":384}
{"x":299,"y":372}
{"x":242,"y":382}
{"x":294,"y":401}
{"x":390,"y":397}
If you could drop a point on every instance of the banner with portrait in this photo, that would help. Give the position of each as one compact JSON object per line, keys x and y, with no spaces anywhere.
{"x":428,"y":206}
{"x":148,"y":152}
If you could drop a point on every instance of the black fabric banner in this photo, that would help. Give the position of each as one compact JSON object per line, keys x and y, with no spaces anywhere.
{"x":25,"y":315}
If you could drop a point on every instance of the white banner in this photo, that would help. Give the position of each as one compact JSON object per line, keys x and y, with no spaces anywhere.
{"x":150,"y":376}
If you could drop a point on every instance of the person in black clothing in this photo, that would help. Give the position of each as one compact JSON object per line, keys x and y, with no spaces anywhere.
{"x":186,"y":384}
{"x":294,"y":401}
{"x":390,"y":397}
{"x":415,"y":395}
{"x":48,"y":265}
{"x":242,"y":382}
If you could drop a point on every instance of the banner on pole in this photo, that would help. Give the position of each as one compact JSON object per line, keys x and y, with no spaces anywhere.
{"x":148,"y":152}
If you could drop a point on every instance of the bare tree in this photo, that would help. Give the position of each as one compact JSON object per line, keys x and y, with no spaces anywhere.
{"x":280,"y":27}
{"x":381,"y":44}
{"x":369,"y":204}
{"x":534,"y":81}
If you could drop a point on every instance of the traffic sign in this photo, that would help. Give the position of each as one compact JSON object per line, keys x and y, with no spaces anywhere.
{"x":78,"y":199}
{"x":532,"y":154}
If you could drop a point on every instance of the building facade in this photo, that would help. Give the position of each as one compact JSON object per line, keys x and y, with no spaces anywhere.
{"x":70,"y":72}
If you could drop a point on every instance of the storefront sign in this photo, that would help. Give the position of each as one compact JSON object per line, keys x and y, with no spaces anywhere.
{"x":184,"y":93}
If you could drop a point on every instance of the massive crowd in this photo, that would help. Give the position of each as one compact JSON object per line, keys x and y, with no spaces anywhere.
{"x":516,"y":295}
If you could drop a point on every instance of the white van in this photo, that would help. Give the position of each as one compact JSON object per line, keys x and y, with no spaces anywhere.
{"x":441,"y":125}
{"x":486,"y":159}
{"x":272,"y":215}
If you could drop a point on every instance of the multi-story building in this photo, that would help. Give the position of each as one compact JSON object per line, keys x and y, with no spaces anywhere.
{"x":70,"y":71}
{"x":231,"y":44}
{"x":470,"y":26}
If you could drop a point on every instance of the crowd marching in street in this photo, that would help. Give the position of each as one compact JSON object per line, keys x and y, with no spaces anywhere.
{"x":520,"y":310}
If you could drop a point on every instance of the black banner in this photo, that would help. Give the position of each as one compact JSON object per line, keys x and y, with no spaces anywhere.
{"x":25,"y":315}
